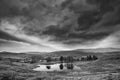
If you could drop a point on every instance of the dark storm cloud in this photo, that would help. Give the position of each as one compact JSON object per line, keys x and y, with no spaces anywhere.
{"x":62,"y":22}
{"x":92,"y":24}
{"x":9,"y":8}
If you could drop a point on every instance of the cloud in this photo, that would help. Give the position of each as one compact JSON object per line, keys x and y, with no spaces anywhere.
{"x":60,"y":24}
{"x":12,"y":29}
{"x":57,"y":46}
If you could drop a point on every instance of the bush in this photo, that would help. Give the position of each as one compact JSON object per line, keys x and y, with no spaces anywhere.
{"x":94,"y":57}
{"x":69,"y":59}
{"x":89,"y":57}
{"x":61,"y":59}
{"x":48,"y":59}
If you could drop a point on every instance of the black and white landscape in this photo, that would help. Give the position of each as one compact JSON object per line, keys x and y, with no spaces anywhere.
{"x":59,"y":39}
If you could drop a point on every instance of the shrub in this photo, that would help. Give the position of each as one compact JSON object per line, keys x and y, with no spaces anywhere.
{"x":69,"y":59}
{"x":61,"y":59}
{"x":89,"y":57}
{"x":48,"y":59}
{"x":94,"y":57}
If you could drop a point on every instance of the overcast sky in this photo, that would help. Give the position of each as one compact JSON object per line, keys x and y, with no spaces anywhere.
{"x":57,"y":25}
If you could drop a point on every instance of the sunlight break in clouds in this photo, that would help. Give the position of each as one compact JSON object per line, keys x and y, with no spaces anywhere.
{"x":14,"y":46}
{"x":33,"y":40}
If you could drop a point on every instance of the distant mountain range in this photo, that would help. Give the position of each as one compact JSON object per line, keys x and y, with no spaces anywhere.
{"x":100,"y":50}
{"x":78,"y":51}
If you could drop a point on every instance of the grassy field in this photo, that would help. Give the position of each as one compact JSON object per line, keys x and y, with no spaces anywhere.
{"x":107,"y":67}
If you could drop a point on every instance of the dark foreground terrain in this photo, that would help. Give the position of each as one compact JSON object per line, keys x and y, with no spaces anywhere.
{"x":20,"y":67}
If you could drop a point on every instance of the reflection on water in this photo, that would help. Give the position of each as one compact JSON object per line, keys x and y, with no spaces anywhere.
{"x":56,"y":67}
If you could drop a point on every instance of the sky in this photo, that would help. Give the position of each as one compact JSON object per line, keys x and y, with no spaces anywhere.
{"x":59,"y":25}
